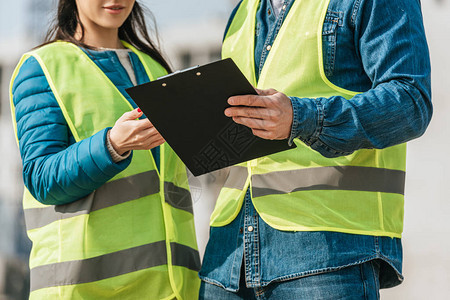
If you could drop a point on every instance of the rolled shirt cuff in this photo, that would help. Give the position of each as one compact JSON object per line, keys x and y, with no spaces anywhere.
{"x":307,"y":120}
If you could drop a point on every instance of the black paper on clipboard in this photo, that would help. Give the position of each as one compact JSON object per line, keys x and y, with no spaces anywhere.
{"x":187,"y":108}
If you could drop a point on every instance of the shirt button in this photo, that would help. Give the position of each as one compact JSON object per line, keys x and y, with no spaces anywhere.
{"x":284,"y":7}
{"x":268,"y":47}
{"x":250,"y":228}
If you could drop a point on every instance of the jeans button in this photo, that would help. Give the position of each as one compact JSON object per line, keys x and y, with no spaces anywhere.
{"x":250,"y":228}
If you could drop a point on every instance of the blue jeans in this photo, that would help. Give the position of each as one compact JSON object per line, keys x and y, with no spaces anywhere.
{"x":355,"y":282}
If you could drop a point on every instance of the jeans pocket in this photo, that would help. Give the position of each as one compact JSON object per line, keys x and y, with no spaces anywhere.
{"x":329,"y":37}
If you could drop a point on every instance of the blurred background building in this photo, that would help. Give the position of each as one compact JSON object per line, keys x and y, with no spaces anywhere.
{"x":191,"y":33}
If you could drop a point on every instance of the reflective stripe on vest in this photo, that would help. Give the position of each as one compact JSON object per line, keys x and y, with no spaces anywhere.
{"x":299,"y":189}
{"x":105,"y":266}
{"x":137,"y":225}
{"x":110,"y":194}
{"x":348,"y":178}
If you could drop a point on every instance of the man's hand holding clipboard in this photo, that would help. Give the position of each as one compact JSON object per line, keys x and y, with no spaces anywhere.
{"x":188,"y":109}
{"x":268,"y":114}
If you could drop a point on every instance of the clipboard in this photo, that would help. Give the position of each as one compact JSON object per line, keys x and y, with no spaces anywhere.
{"x":187,"y":108}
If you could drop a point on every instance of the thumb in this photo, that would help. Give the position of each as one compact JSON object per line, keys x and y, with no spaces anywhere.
{"x":132,"y":115}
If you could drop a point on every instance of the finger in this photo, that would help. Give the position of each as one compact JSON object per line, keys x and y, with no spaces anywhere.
{"x":142,"y":124}
{"x":267,"y":92}
{"x":264,"y":134}
{"x":157,"y":143}
{"x":131,"y":115}
{"x":144,"y":138}
{"x":149,"y":133}
{"x":150,"y":122}
{"x":248,"y":100}
{"x":252,"y":123}
{"x":248,"y":112}
{"x":152,"y":143}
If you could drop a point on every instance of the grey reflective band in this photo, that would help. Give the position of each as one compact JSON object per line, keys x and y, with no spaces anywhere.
{"x":111,"y":265}
{"x":178,"y":197}
{"x":236,"y":178}
{"x":111,"y":193}
{"x":348,"y":178}
{"x":98,"y":268}
{"x":184,"y":256}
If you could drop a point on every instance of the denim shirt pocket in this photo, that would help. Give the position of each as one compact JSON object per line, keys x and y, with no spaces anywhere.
{"x":329,"y":37}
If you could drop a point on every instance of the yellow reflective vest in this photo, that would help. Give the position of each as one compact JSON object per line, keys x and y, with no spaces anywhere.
{"x":133,"y":238}
{"x":299,"y":189}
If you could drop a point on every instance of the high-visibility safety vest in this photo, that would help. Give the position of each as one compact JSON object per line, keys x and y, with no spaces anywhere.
{"x":299,"y":189}
{"x":133,"y":238}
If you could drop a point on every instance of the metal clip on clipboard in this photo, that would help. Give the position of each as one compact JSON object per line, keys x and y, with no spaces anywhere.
{"x":180,"y":71}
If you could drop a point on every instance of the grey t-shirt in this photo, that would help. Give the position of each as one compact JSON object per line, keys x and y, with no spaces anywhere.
{"x":124,"y":58}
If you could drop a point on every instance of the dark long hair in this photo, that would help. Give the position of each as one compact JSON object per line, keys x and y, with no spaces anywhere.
{"x":133,"y":30}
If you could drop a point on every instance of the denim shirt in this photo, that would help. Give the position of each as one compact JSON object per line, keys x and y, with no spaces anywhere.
{"x":376,"y":47}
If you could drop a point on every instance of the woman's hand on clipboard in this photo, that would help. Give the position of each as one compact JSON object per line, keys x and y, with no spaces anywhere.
{"x":131,"y":134}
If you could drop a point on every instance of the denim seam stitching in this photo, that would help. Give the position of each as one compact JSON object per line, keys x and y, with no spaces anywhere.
{"x":355,"y":12}
{"x":364,"y":282}
{"x":254,"y":279}
{"x":256,"y":250}
{"x":295,"y":123}
{"x":319,"y":125}
{"x":246,"y":250}
{"x":320,"y":144}
{"x":377,"y":284}
{"x":234,"y":260}
{"x":391,"y":263}
{"x":233,"y":266}
{"x":331,"y":14}
{"x":377,"y":245}
{"x":319,"y":271}
{"x":332,"y":54}
{"x":271,"y":38}
{"x":214,"y":282}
